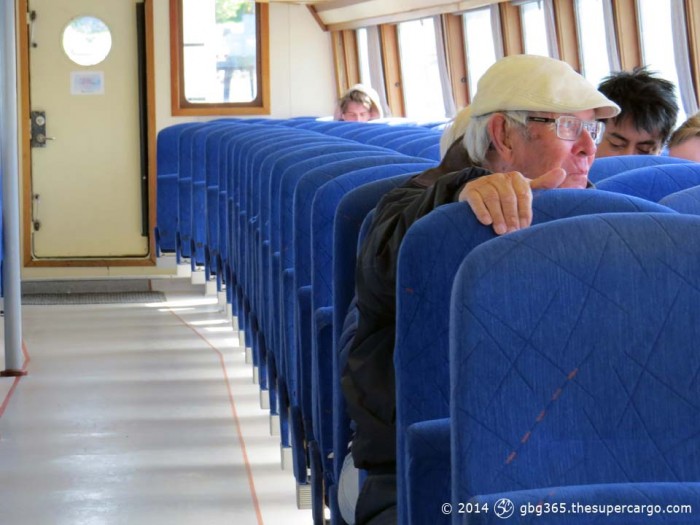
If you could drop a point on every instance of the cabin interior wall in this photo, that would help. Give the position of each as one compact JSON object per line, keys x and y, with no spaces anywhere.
{"x":301,"y":65}
{"x":302,"y":83}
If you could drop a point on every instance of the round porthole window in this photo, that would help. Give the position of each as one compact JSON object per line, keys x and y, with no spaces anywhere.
{"x":87,"y":40}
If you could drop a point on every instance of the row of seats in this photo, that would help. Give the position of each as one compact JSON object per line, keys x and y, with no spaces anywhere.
{"x":273,"y":210}
{"x":430,"y":258}
{"x":253,"y":202}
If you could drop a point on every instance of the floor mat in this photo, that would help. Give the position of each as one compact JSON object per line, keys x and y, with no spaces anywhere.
{"x":92,"y":298}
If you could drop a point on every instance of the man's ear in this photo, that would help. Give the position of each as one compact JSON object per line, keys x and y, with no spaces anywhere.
{"x":500,"y":133}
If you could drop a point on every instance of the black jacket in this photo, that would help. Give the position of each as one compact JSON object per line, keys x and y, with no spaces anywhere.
{"x":368,"y":377}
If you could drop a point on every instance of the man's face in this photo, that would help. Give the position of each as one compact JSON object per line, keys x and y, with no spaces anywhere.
{"x":356,"y":112}
{"x":543,"y":150}
{"x":624,"y":138}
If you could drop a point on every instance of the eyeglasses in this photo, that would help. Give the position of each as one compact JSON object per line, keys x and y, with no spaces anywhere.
{"x":570,"y":128}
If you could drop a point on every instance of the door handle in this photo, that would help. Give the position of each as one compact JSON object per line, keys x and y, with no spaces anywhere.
{"x":39,"y":137}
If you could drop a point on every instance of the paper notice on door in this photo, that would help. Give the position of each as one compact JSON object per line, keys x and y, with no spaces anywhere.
{"x":87,"y":83}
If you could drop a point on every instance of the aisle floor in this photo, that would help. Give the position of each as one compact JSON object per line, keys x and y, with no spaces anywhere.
{"x":139,"y":414}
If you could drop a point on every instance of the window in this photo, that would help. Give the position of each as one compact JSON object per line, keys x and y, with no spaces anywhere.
{"x":363,"y":56}
{"x":590,"y":18}
{"x":420,"y":71}
{"x":219,"y":57}
{"x":656,"y":35}
{"x":479,"y":43}
{"x":534,"y":26}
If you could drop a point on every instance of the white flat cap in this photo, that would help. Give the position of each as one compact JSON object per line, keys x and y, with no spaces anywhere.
{"x":538,"y":83}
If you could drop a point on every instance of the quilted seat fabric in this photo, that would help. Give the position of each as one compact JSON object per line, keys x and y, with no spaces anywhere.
{"x":684,"y":201}
{"x":574,"y":359}
{"x":653,"y":183}
{"x":430,"y":255}
{"x":609,"y":166}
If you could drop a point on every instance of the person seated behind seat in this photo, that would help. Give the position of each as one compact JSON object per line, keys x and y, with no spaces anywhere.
{"x":454,"y":159}
{"x":359,"y":104}
{"x":685,"y":141}
{"x":648,"y":113}
{"x":533,"y":123}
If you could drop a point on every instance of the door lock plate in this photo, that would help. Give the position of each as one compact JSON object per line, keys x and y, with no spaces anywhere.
{"x":38,"y":129}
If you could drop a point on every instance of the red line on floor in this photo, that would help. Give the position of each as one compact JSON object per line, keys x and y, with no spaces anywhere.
{"x":234,"y":412}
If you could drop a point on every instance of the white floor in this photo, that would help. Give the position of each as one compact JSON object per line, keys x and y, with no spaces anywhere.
{"x":138,"y":414}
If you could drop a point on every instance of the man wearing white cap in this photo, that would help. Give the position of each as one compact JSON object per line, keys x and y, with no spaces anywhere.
{"x":532,"y":124}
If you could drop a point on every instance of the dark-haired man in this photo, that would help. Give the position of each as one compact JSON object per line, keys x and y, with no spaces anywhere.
{"x":647,"y":117}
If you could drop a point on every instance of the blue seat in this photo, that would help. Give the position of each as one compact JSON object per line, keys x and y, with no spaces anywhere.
{"x":185,"y":191}
{"x":415,"y":146}
{"x":167,"y":174}
{"x":684,"y":201}
{"x":298,"y":191}
{"x":324,"y":208}
{"x":349,"y":228}
{"x":256,"y":245}
{"x":653,"y":183}
{"x":266,"y":172}
{"x":216,"y":169}
{"x":574,"y":374}
{"x":343,"y":129}
{"x":609,"y":166}
{"x":431,"y":152}
{"x":399,"y":135}
{"x":320,"y":126}
{"x":373,"y":129}
{"x":288,"y":169}
{"x":430,"y":255}
{"x":241,"y":149}
{"x":198,"y":223}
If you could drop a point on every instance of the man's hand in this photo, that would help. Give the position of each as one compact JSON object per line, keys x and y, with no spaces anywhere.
{"x":505,"y":199}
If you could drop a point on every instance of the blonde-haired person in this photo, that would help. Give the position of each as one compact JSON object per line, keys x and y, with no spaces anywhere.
{"x":685,"y":141}
{"x":454,"y":130}
{"x":360,"y":103}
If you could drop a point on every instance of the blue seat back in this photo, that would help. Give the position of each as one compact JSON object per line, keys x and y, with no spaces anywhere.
{"x":684,"y":201}
{"x":609,"y":166}
{"x":300,"y":198}
{"x":323,"y":213}
{"x":349,"y":219}
{"x":430,"y":255}
{"x":167,"y":174}
{"x":653,"y":183}
{"x":570,"y":364}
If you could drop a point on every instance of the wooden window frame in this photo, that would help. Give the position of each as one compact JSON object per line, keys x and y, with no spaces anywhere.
{"x":567,"y":32}
{"x":453,"y":28}
{"x":180,"y":106}
{"x":692,"y":17}
{"x":389,"y":38}
{"x":626,"y":23}
{"x":346,"y":60}
{"x":511,"y":29}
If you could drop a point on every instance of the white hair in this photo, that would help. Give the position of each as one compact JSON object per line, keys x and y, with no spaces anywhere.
{"x":477,"y":140}
{"x":454,"y":130}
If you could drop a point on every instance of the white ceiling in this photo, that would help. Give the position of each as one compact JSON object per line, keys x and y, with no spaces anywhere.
{"x":342,"y":14}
